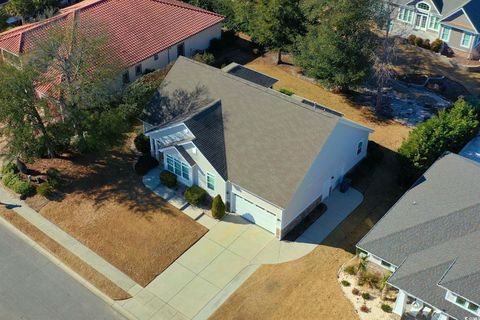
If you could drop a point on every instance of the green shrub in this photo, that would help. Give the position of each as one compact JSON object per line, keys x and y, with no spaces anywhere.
{"x":144,"y":164}
{"x":9,"y":167}
{"x":345,"y":283}
{"x":426,"y":44}
{"x":350,"y":270}
{"x":142,"y":143}
{"x":411,"y":39}
{"x":286,"y":91}
{"x":9,"y":179}
{"x":366,"y":296}
{"x":195,"y":195}
{"x":448,"y":131}
{"x":218,"y":207}
{"x":168,"y":179}
{"x":205,"y":57}
{"x":386,"y":308}
{"x":419,"y":42}
{"x":54,"y":179}
{"x":45,"y":189}
{"x":436,"y":45}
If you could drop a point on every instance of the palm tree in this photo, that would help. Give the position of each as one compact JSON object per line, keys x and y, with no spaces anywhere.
{"x":362,"y":265}
{"x":384,"y":286}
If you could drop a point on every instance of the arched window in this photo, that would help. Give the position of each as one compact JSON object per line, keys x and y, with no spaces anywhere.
{"x":423,"y":6}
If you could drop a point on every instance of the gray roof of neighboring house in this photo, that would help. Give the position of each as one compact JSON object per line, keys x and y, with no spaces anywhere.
{"x":250,"y":75}
{"x":472,"y":149}
{"x":435,"y":222}
{"x":270,"y":139}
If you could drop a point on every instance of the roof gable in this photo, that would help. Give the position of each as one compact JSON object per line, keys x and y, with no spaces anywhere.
{"x":460,"y":19}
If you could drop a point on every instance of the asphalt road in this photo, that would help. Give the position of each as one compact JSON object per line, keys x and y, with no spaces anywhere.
{"x":33,"y":288}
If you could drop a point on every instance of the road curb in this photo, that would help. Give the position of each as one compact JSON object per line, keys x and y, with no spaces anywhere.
{"x":32,"y":243}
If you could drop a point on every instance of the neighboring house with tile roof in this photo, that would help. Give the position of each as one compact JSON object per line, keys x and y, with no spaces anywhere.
{"x":141,"y":34}
{"x":456,"y":22}
{"x":430,"y":239}
{"x":271,"y":157}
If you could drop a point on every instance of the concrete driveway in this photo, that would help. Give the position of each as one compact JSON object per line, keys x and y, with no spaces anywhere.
{"x":198,"y":282}
{"x":33,"y":288}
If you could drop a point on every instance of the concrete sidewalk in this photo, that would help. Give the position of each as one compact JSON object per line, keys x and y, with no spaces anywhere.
{"x":71,"y":244}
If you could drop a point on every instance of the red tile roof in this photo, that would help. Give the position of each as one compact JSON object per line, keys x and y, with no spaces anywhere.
{"x":135,"y":29}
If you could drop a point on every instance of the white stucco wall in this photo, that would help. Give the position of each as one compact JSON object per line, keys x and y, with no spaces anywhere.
{"x":197,"y":42}
{"x":337,"y":157}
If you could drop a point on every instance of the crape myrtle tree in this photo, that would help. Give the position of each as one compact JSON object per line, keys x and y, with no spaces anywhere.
{"x":276,"y":23}
{"x":80,"y":110}
{"x":338,"y":50}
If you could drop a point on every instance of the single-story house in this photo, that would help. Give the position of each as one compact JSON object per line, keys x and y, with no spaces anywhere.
{"x":455,"y":22}
{"x":271,"y":157}
{"x":430,"y":240}
{"x":142,"y":34}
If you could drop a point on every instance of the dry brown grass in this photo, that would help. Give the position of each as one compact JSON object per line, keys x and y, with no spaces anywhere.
{"x":388,"y":133}
{"x":303,"y":289}
{"x":76,"y":264}
{"x":107,"y":208}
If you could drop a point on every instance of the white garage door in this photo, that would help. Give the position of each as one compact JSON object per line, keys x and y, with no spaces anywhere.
{"x":255,"y":214}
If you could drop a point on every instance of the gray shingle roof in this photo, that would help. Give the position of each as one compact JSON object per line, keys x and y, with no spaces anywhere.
{"x":435,"y":222}
{"x":270,"y":139}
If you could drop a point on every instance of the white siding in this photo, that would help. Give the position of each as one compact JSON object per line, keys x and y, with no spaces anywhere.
{"x":337,"y":157}
{"x":200,"y":172}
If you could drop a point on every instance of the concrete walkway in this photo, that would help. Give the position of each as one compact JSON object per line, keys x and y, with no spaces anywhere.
{"x":70,"y":243}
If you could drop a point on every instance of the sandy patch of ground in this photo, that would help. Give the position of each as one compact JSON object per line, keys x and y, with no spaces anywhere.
{"x":105,"y":206}
{"x":76,"y":264}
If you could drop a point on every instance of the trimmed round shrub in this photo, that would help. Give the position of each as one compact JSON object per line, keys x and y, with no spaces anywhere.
{"x":364,"y":308}
{"x":54,"y":179}
{"x":345,"y":283}
{"x":426,"y":44}
{"x":45,"y":189}
{"x":195,"y":195}
{"x":9,"y":179}
{"x":386,"y":308}
{"x":168,"y":179}
{"x":144,"y":164}
{"x":23,"y":188}
{"x":355,"y":291}
{"x":436,"y":45}
{"x":142,"y":143}
{"x":218,"y":207}
{"x":10,"y":167}
{"x":366,"y":296}
{"x":411,"y":39}
{"x":419,"y":42}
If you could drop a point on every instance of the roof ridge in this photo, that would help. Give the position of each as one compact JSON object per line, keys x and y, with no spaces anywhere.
{"x":184,"y":5}
{"x":260,"y":88}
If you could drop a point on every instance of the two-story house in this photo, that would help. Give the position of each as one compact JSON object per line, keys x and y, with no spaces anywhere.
{"x":455,"y":22}
{"x":430,"y":240}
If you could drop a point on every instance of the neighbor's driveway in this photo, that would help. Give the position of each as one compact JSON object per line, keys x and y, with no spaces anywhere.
{"x":33,"y":288}
{"x":198,"y":282}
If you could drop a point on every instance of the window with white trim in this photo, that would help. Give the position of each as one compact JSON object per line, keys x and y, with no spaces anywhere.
{"x":466,"y":40}
{"x":434,"y":23}
{"x":405,"y":15}
{"x":179,"y":168}
{"x":445,"y":34}
{"x":423,"y":6}
{"x":210,"y":181}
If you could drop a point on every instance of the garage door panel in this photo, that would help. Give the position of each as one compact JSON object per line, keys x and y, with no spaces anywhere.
{"x":255,"y":214}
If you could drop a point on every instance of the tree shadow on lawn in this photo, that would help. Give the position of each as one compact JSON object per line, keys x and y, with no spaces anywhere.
{"x":112,"y":177}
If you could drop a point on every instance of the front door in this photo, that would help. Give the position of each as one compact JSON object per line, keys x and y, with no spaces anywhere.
{"x":421,"y":21}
